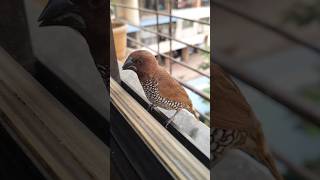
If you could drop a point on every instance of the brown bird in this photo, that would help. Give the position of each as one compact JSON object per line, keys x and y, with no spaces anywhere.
{"x":234,"y":125}
{"x":159,"y":87}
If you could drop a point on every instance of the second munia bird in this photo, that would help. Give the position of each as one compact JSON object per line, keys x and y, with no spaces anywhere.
{"x":235,"y":125}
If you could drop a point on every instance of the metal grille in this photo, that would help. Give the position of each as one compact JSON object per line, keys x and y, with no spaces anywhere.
{"x":169,"y":36}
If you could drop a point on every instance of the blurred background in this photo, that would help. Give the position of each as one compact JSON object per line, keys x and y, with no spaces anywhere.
{"x":177,"y":33}
{"x":272,"y":49}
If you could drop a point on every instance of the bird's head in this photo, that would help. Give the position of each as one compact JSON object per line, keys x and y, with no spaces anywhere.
{"x":142,"y":62}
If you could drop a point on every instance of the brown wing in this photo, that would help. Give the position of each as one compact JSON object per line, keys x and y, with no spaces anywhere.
{"x":230,"y":109}
{"x":170,"y":88}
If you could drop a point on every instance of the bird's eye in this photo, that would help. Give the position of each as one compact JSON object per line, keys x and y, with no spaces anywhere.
{"x":138,"y":61}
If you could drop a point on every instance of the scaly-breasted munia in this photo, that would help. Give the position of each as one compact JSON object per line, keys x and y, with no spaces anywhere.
{"x":159,"y":87}
{"x":234,"y":125}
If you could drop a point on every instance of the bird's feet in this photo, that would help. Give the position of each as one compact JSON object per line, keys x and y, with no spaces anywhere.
{"x":151,"y":107}
{"x":172,"y":118}
{"x":168,"y":122}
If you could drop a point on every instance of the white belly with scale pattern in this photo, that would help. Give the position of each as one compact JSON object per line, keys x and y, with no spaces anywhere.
{"x":221,"y":140}
{"x":150,"y":88}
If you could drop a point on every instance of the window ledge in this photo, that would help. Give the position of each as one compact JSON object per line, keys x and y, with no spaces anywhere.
{"x":193,"y":130}
{"x":240,"y":166}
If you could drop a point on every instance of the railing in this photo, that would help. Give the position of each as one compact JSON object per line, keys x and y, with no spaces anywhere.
{"x":171,"y":38}
{"x":159,"y":13}
{"x":295,"y":104}
{"x":137,"y":154}
{"x":178,"y":161}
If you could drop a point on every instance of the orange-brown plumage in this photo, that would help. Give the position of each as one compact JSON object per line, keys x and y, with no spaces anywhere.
{"x":230,"y":109}
{"x":235,"y":125}
{"x":171,"y":89}
{"x":160,"y":88}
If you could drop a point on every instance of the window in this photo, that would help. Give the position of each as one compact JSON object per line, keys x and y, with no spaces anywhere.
{"x":159,"y":39}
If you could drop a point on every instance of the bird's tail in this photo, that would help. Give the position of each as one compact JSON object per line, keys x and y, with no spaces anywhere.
{"x":257,"y":147}
{"x":194,"y":112}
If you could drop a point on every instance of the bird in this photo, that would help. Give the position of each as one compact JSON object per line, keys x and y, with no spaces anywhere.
{"x":235,"y":126}
{"x":87,"y":17}
{"x":160,"y":88}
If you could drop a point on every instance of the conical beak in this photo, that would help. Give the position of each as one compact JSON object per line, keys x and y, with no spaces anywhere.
{"x":129,"y":65}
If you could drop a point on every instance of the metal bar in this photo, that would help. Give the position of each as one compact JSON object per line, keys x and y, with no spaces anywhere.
{"x":170,"y":34}
{"x":300,"y":170}
{"x":184,"y":65}
{"x":116,"y":11}
{"x":160,"y":13}
{"x":203,"y":95}
{"x":267,"y":26}
{"x":294,"y":103}
{"x":166,"y":36}
{"x":158,"y":41}
{"x":114,"y":71}
{"x":170,"y":58}
{"x":137,"y":35}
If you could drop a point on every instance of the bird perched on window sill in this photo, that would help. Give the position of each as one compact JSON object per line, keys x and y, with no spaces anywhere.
{"x":235,"y":125}
{"x":87,"y":17}
{"x":160,"y":88}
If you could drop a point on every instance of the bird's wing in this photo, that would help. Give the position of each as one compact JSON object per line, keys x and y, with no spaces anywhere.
{"x":230,"y":109}
{"x":170,"y":88}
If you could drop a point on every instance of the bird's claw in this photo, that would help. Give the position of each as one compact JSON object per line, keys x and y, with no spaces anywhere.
{"x":151,"y":107}
{"x":168,"y":122}
{"x":171,"y":119}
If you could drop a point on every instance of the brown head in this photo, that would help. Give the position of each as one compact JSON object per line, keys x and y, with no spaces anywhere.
{"x":142,"y":62}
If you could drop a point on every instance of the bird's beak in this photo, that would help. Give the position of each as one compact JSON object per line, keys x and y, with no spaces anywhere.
{"x":61,"y":12}
{"x":129,"y":65}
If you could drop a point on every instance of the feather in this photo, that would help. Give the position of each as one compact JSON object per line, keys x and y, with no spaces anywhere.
{"x":230,"y":109}
{"x":169,"y":88}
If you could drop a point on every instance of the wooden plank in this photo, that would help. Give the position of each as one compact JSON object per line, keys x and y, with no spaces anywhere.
{"x":129,"y":149}
{"x":14,"y":163}
{"x":58,"y":143}
{"x":178,"y":161}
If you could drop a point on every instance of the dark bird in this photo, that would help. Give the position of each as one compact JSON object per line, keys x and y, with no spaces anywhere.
{"x":235,"y":125}
{"x":159,"y":87}
{"x":89,"y":18}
